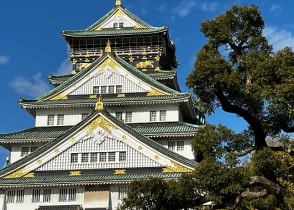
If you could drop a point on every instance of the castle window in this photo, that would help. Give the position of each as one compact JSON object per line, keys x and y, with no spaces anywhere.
{"x":96,"y":90}
{"x":111,"y":89}
{"x":122,"y":192}
{"x":118,"y":88}
{"x":180,"y":145}
{"x":47,"y":195}
{"x":60,"y":119}
{"x":171,"y":145}
{"x":152,"y":116}
{"x":74,"y":158}
{"x":111,"y":156}
{"x":85,"y":157}
{"x":19,"y":196}
{"x":118,"y":116}
{"x":129,"y":116}
{"x":10,"y":196}
{"x":102,"y":157}
{"x":103,"y":89}
{"x":162,"y":115}
{"x":93,"y":157}
{"x":50,"y":119}
{"x":27,"y":150}
{"x":36,"y":196}
{"x":122,"y":156}
{"x":67,"y":194}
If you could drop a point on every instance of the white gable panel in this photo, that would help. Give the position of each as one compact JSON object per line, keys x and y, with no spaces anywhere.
{"x":105,"y":145}
{"x":118,"y":18}
{"x":109,"y":73}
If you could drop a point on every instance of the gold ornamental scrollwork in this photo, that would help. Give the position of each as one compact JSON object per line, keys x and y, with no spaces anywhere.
{"x":175,"y":167}
{"x":108,"y":62}
{"x":154,"y":92}
{"x":102,"y":123}
{"x":17,"y":174}
{"x":59,"y":97}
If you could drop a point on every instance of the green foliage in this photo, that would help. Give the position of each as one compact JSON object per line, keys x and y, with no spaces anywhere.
{"x":157,"y":194}
{"x":237,"y":70}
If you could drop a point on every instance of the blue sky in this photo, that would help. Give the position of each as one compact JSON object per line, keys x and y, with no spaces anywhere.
{"x":31,"y":45}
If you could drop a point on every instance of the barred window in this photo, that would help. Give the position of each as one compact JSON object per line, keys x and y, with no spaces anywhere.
{"x":118,"y":88}
{"x":36,"y":196}
{"x":63,"y":195}
{"x":85,"y":157}
{"x":118,"y":116}
{"x":111,"y":89}
{"x":60,"y":119}
{"x":47,"y":195}
{"x":102,"y":157}
{"x":103,"y":89}
{"x":111,"y":156}
{"x":129,"y":116}
{"x":171,"y":145}
{"x":152,"y":116}
{"x":25,"y":151}
{"x":19,"y":196}
{"x":93,"y":157}
{"x":162,"y":115}
{"x":10,"y":196}
{"x":96,"y":90}
{"x":50,"y":119}
{"x":122,"y":156}
{"x":74,"y":158}
{"x":72,"y":194}
{"x":180,"y":145}
{"x":122,"y":192}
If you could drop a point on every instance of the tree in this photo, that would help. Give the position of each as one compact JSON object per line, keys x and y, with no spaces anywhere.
{"x":262,"y":180}
{"x":158,"y":194}
{"x":238,"y":71}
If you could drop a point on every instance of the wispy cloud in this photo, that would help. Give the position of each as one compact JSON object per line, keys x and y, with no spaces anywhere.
{"x":4,"y":59}
{"x":276,"y":8}
{"x":279,"y":38}
{"x":209,"y":6}
{"x":184,"y":8}
{"x":64,"y":68}
{"x":32,"y":87}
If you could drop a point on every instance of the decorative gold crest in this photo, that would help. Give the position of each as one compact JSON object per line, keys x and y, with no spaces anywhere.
{"x":175,"y":167}
{"x":59,"y":97}
{"x":75,"y":173}
{"x":100,"y":122}
{"x":120,"y":171}
{"x":17,"y":174}
{"x":108,"y":62}
{"x":154,"y":92}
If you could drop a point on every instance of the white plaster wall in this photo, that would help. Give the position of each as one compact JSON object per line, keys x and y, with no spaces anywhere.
{"x":141,"y":114}
{"x":71,"y":116}
{"x":187,"y":152}
{"x":15,"y":154}
{"x":28,"y":205}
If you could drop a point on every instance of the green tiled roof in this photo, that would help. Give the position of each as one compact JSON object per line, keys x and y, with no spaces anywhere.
{"x":50,"y":133}
{"x":157,"y":75}
{"x":107,"y":100}
{"x":35,"y":134}
{"x":176,"y":157}
{"x":61,"y":207}
{"x":91,"y":32}
{"x":84,"y":179}
{"x":161,"y":129}
{"x":114,"y":32}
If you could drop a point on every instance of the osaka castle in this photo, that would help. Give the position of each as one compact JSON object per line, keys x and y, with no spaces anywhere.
{"x":118,"y":116}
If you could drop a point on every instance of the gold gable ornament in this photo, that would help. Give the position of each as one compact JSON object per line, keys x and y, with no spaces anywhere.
{"x":99,"y":104}
{"x":118,"y":3}
{"x":108,"y":47}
